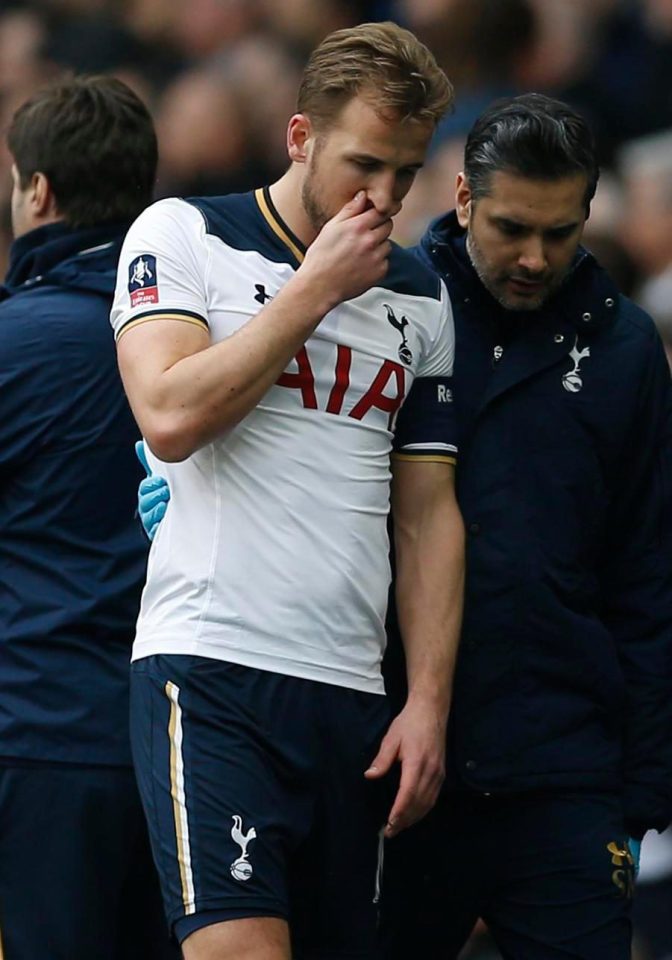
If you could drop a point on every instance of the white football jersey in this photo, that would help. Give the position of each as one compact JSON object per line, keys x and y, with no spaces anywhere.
{"x":274,"y":549}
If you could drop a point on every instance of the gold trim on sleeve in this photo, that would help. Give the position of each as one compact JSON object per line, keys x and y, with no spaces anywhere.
{"x":424,"y":458}
{"x":161,"y":316}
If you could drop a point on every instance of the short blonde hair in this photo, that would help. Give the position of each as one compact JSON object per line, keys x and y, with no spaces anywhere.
{"x":379,"y":60}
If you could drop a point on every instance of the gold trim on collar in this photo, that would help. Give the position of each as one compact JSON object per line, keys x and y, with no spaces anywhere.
{"x":276,"y":227}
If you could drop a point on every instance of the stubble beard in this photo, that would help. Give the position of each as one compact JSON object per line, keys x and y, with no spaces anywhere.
{"x":310,"y":192}
{"x":523,"y":305}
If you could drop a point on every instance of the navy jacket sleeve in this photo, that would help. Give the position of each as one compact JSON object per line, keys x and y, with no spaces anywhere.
{"x":27,"y":407}
{"x":637,"y":597}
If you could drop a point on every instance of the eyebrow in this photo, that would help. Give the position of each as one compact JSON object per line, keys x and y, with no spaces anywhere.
{"x":370,"y":158}
{"x":558,"y":228}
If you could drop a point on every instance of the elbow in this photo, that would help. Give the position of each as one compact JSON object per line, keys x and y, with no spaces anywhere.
{"x":171,"y":438}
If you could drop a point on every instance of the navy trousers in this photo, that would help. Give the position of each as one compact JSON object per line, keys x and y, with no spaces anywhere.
{"x":76,"y":877}
{"x":551,"y":875}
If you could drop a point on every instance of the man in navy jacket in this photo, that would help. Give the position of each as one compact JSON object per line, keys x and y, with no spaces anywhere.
{"x":560,"y":741}
{"x":76,"y":878}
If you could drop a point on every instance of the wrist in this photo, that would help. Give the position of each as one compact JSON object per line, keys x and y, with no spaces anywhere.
{"x":313,"y":293}
{"x":429,"y":697}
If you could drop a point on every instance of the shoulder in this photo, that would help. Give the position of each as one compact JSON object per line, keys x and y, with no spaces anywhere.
{"x":643,"y":342}
{"x":633,"y":335}
{"x":32,"y":321}
{"x":166,"y":239}
{"x":408,"y":275}
{"x":632,"y":351}
{"x":164,"y":216}
{"x":238,"y":221}
{"x":226,"y":217}
{"x":636,"y":320}
{"x":599,"y":309}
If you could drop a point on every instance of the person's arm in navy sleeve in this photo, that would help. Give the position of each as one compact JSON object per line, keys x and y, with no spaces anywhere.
{"x":637,"y":600}
{"x":28,"y":404}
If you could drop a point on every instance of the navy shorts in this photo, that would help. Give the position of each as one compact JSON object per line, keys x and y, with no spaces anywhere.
{"x":551,"y":875}
{"x":76,"y":874}
{"x":254,"y":790}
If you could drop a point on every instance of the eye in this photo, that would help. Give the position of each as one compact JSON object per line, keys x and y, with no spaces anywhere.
{"x":560,"y":233}
{"x":366,"y":164}
{"x":510,"y":229}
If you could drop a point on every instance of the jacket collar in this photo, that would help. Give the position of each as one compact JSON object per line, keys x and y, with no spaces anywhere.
{"x":588,"y":300}
{"x":43,"y":251}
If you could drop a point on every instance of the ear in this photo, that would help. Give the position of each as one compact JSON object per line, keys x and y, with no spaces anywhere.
{"x":462,"y":200}
{"x":299,"y":136}
{"x":41,"y":197}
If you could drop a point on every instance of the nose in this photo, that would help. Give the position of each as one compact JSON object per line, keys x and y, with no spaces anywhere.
{"x":383,"y":194}
{"x":532,"y":257}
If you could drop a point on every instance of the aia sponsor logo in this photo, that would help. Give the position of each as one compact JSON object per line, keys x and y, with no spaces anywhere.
{"x":385,"y":391}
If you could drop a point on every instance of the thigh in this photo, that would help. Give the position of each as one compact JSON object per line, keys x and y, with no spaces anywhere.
{"x":336,"y":873}
{"x":567,"y":880}
{"x":434,"y":882}
{"x":64,"y":859}
{"x":224,"y":760}
{"x":249,"y":938}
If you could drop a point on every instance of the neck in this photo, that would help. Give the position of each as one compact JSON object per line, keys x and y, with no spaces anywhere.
{"x":286,"y":196}
{"x":34,"y":223}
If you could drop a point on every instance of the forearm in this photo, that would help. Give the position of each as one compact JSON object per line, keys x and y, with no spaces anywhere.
{"x":429,"y":546}
{"x":429,"y":593}
{"x":203,"y":394}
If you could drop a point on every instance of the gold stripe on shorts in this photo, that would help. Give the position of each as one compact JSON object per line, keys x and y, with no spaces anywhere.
{"x":179,"y":798}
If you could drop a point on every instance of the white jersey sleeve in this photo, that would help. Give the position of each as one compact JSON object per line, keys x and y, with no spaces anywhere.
{"x":426,"y":427}
{"x":162,"y":268}
{"x":438,"y":359}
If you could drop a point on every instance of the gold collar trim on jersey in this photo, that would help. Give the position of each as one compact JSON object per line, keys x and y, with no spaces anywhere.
{"x":276,"y":225}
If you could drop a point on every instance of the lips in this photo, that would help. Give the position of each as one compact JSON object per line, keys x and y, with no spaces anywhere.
{"x":529,"y":286}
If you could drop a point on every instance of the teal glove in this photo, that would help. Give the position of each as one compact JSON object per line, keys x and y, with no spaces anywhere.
{"x":635,"y":847}
{"x":153,"y":495}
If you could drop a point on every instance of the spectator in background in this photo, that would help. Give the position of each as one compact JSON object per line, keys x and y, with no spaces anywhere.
{"x":602,"y":234}
{"x":203,"y":135}
{"x":265,"y":78}
{"x":485,"y":43}
{"x":625,"y":86}
{"x":646,"y":170}
{"x":22,"y":70}
{"x":76,"y":878}
{"x":301,"y":24}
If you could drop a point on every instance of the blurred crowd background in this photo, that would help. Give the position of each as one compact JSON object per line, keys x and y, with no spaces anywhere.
{"x":220,"y":77}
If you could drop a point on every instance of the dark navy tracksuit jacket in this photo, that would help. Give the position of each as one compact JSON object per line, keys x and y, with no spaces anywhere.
{"x":564,"y":477}
{"x":72,"y":556}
